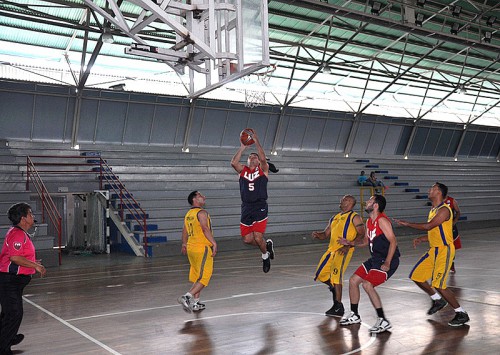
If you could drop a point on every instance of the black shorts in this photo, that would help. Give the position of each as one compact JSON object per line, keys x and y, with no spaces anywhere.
{"x":253,"y":212}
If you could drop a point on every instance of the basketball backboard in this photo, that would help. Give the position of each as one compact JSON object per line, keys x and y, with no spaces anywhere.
{"x":217,"y":41}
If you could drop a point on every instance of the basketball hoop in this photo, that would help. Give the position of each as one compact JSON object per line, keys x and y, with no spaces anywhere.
{"x":253,"y":97}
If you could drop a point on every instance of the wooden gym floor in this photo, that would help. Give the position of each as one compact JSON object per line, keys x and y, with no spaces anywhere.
{"x":118,"y":304}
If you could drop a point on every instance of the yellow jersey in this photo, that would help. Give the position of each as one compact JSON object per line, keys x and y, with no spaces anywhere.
{"x":442,"y":234}
{"x":342,"y":226}
{"x":196,"y":237}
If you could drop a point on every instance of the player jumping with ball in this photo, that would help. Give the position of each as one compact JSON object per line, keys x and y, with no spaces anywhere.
{"x":253,"y":191}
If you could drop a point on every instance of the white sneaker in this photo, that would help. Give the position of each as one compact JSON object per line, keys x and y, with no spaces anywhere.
{"x":381,"y":326}
{"x":185,"y":301}
{"x":351,"y":318}
{"x":196,"y":307}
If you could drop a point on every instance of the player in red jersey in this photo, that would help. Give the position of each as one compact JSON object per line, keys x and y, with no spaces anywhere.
{"x":450,"y":201}
{"x":379,"y":268}
{"x":253,"y":190}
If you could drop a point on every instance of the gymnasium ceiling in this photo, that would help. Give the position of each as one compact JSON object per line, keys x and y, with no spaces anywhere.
{"x":401,"y":60}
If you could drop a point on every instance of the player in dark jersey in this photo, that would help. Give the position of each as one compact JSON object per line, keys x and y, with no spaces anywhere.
{"x":253,"y":191}
{"x":383,"y":263}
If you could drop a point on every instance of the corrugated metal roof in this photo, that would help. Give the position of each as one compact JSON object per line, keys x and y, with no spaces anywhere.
{"x":400,"y":58}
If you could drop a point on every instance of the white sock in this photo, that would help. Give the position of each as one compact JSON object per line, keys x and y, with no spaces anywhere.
{"x":460,"y":309}
{"x":436,"y":297}
{"x":265,"y":256}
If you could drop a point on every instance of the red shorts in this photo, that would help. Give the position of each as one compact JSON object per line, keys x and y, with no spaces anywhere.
{"x":374,"y":276}
{"x":457,"y":243}
{"x":259,"y":226}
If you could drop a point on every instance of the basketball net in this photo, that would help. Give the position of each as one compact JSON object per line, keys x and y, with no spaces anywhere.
{"x":253,"y":97}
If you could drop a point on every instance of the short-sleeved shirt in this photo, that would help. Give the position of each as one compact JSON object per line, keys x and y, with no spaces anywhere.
{"x":17,"y":243}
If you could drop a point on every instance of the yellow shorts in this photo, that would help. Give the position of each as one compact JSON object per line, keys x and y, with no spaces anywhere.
{"x":435,"y":265}
{"x":332,"y":266}
{"x":202,"y":264}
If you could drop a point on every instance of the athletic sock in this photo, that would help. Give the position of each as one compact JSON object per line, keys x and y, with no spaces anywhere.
{"x":436,"y":297}
{"x":265,"y":256}
{"x":354,"y":308}
{"x":188,"y":295}
{"x":380,"y":313}
{"x":460,"y":309}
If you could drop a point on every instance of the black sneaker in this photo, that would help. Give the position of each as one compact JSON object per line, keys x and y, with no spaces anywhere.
{"x":270,"y":248}
{"x":460,"y":319}
{"x":17,"y":339}
{"x":335,"y":311}
{"x":266,"y":264}
{"x":437,"y":305}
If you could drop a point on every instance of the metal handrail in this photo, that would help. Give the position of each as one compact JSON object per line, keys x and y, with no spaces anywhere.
{"x":48,"y":204}
{"x":105,"y":173}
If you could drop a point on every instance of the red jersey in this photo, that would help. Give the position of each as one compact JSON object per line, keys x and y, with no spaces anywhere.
{"x":379,"y":244}
{"x":17,"y":243}
{"x":450,"y":201}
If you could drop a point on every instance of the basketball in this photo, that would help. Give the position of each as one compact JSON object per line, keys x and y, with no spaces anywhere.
{"x":246,"y":136}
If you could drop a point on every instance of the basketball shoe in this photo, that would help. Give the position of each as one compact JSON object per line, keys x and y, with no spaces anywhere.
{"x":270,"y":248}
{"x":197,"y":306}
{"x":351,"y":318}
{"x":437,"y":305}
{"x":460,"y":319}
{"x":266,"y":264}
{"x":337,"y":310}
{"x":381,"y":326}
{"x":186,"y":302}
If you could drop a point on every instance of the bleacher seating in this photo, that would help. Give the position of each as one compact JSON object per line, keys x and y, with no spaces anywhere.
{"x":302,"y":196}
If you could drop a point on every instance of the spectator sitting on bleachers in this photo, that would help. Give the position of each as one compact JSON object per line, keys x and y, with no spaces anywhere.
{"x":363,"y":179}
{"x":372,"y":180}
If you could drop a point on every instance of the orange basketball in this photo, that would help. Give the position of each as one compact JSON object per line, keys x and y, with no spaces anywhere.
{"x":246,"y":136}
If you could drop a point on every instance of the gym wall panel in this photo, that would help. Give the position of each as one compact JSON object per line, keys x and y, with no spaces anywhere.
{"x":111,"y":118}
{"x":362,"y":137}
{"x":294,"y":132}
{"x":467,"y":143}
{"x":211,"y":128}
{"x":334,"y":135}
{"x":16,"y":115}
{"x":313,"y":134}
{"x":443,"y":144}
{"x":88,"y":119}
{"x":454,"y":140}
{"x":377,"y":139}
{"x":418,"y":144}
{"x":263,"y":123}
{"x":477,"y":145}
{"x":431,"y":142}
{"x":138,"y":123}
{"x":49,"y":117}
{"x":391,"y":140}
{"x":169,"y":124}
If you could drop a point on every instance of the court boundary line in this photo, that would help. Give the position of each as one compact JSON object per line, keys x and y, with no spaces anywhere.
{"x":72,"y":327}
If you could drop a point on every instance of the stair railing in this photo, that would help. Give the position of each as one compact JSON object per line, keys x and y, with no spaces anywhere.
{"x":126,"y":199}
{"x":105,"y":175}
{"x":48,"y":205}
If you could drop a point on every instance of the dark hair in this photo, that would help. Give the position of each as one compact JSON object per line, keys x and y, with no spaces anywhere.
{"x":17,"y":211}
{"x":191,"y":197}
{"x":362,"y":172}
{"x":372,"y":173}
{"x":443,"y":188}
{"x":380,"y":201}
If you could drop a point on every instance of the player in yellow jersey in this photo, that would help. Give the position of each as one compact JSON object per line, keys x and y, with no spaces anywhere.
{"x":199,"y":244}
{"x":348,"y":225}
{"x":436,"y":263}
